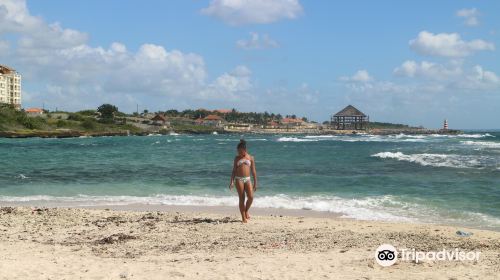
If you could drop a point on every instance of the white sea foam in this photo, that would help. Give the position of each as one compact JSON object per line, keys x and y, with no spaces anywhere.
{"x":295,"y":139}
{"x":485,"y":144}
{"x":437,"y":160}
{"x":357,"y":138}
{"x":383,"y":208}
{"x":350,"y":208}
{"x":474,"y":135}
{"x":320,"y":136}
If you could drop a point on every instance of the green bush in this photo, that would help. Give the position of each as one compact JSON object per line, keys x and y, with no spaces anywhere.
{"x":31,"y":123}
{"x":89,"y":123}
{"x":61,"y":123}
{"x":90,"y":113}
{"x":75,"y":117}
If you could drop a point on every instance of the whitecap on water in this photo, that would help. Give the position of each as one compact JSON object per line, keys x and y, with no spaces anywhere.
{"x":22,"y":176}
{"x":295,"y":139}
{"x":484,"y":144}
{"x":440,"y":160}
{"x":474,"y":135}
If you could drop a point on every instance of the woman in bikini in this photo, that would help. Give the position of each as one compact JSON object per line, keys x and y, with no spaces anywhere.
{"x":243,"y":165}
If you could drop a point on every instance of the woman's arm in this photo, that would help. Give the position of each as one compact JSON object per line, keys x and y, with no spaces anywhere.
{"x":232,"y":174}
{"x":254,"y":173}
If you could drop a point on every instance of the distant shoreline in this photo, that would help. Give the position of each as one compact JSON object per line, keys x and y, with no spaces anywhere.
{"x":77,"y":134}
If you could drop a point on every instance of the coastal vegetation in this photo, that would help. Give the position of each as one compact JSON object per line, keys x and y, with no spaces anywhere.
{"x":58,"y":123}
{"x":108,"y":120}
{"x":232,"y":115}
{"x":11,"y":119}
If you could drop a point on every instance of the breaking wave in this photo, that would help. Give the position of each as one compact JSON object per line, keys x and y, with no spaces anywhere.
{"x":484,"y":144}
{"x":382,"y":208}
{"x":363,"y":137}
{"x":295,"y":139}
{"x":438,"y":160}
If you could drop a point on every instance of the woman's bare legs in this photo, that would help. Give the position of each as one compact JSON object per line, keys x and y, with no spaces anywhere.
{"x":249,"y":192}
{"x":240,"y":187}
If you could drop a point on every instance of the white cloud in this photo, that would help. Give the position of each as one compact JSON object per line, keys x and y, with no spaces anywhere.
{"x":233,"y":85}
{"x":256,"y":42}
{"x":449,"y":77}
{"x":428,"y":70}
{"x":361,"y":76}
{"x":479,"y":79}
{"x":79,"y":75}
{"x":363,"y":82}
{"x":429,"y":78}
{"x":447,"y":45}
{"x":380,"y":87}
{"x":15,"y":17}
{"x":239,"y":12}
{"x":470,"y":16}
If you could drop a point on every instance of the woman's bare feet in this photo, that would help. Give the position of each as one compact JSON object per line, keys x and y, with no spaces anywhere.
{"x":247,"y":215}
{"x":244,"y":221}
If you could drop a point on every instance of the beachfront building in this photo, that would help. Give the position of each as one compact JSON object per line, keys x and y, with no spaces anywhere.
{"x":34,"y":112}
{"x":159,"y":119}
{"x":350,"y":118}
{"x":238,"y":126}
{"x":211,"y":120}
{"x":291,"y":122}
{"x":10,"y":87}
{"x":272,"y":124}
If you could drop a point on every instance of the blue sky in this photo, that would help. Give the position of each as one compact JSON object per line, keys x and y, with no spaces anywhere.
{"x":399,"y":61}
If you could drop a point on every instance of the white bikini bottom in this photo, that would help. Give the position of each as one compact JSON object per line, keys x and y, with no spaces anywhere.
{"x":242,"y":179}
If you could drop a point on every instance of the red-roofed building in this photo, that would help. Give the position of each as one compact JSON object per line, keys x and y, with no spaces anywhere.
{"x":291,"y":122}
{"x":212,"y":120}
{"x":34,"y":111}
{"x":272,"y":124}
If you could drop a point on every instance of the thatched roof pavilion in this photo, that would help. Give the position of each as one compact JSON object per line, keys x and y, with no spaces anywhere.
{"x":350,"y":118}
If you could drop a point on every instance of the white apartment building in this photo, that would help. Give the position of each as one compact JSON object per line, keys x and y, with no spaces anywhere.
{"x":10,"y":86}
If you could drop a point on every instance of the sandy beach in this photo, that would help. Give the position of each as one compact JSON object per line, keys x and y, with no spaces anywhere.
{"x":131,"y":243}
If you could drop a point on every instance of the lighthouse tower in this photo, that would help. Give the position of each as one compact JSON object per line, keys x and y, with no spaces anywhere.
{"x":445,"y":126}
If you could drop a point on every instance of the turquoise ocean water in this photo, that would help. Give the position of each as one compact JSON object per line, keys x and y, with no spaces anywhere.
{"x":431,"y":178}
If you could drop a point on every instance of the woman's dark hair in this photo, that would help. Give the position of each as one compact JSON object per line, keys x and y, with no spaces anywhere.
{"x":242,"y":144}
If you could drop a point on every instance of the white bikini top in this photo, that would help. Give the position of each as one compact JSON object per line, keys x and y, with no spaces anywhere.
{"x":244,"y":161}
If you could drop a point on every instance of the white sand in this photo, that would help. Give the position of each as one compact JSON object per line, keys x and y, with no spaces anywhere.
{"x":61,"y":243}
